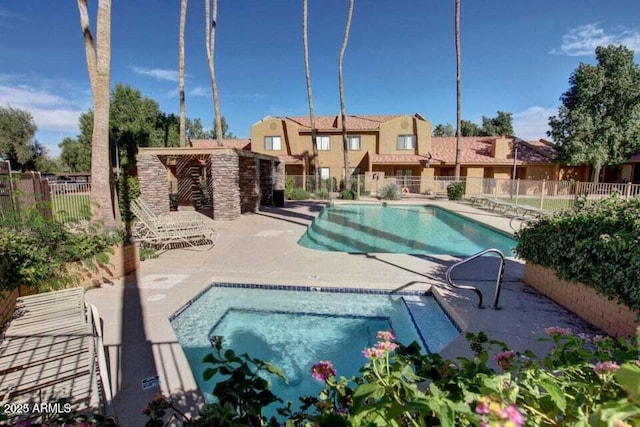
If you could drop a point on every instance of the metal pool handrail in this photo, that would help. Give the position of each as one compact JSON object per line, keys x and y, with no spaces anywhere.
{"x":473,"y":288}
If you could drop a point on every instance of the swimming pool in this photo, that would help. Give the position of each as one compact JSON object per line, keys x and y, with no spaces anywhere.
{"x":408,"y":229}
{"x":294,"y":329}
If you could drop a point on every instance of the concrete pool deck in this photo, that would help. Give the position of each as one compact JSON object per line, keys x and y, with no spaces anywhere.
{"x":262,"y":248}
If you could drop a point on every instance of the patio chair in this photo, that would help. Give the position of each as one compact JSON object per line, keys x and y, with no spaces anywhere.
{"x":181,"y":216}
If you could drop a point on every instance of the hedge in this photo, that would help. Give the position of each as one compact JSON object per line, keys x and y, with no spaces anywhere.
{"x":595,"y":243}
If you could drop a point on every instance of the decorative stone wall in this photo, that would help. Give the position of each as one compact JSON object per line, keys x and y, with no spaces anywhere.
{"x":266,"y":181}
{"x":613,"y":318}
{"x":249,"y":184}
{"x":279,"y":176}
{"x":154,"y":185}
{"x":225,"y":179}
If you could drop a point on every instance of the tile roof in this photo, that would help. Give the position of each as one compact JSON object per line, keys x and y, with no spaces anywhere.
{"x":354,"y":122}
{"x":477,"y":150}
{"x":242,"y":144}
{"x":400,"y":158}
{"x":542,"y":146}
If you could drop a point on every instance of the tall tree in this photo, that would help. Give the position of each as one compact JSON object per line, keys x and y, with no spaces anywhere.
{"x":211,"y":18}
{"x":343,"y":117}
{"x":598,"y":122}
{"x":183,"y":114}
{"x":443,"y":130}
{"x":468,"y":128}
{"x":17,"y":143}
{"x":307,"y":74}
{"x":500,"y":125}
{"x":458,"y":92}
{"x":98,"y":55}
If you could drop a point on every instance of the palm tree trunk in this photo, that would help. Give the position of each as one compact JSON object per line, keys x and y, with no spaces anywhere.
{"x":458,"y":93}
{"x":343,"y":117}
{"x":210,"y":42}
{"x":103,"y":194}
{"x":183,"y":114}
{"x":312,"y":117}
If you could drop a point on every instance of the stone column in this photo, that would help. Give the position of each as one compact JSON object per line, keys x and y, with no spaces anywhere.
{"x":154,"y":184}
{"x":249,"y":189}
{"x":225,"y":179}
{"x":266,"y":182}
{"x":280,"y":176}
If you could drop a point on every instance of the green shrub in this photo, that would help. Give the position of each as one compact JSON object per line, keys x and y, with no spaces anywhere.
{"x":34,"y":251}
{"x":299,"y":194}
{"x":147,"y":253}
{"x":173,"y":201}
{"x":348,"y":195}
{"x":390,"y":191}
{"x":288,"y":186}
{"x":323,"y":195}
{"x":128,"y":190}
{"x":584,"y":380}
{"x":596,"y":243}
{"x":455,"y":190}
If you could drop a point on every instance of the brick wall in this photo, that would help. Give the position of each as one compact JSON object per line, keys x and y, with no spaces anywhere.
{"x":249,"y":184}
{"x":154,"y":185}
{"x":225,"y":179}
{"x":613,"y":318}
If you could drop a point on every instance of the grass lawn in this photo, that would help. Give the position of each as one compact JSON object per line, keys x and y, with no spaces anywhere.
{"x":549,"y":204}
{"x":71,"y":207}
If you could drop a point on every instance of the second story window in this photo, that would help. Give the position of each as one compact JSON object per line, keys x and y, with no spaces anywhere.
{"x":406,"y":142}
{"x":353,"y":142}
{"x":323,"y":143}
{"x":272,"y":143}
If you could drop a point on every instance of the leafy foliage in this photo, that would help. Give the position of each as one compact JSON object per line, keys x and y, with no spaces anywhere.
{"x":597,"y":244}
{"x":598,"y":122}
{"x":348,"y":195}
{"x":443,"y":130}
{"x":455,"y":190}
{"x":17,"y":143}
{"x":128,"y":190}
{"x":390,"y":191}
{"x":34,"y":251}
{"x":500,"y":125}
{"x":584,"y":380}
{"x":288,"y":186}
{"x":300,"y":194}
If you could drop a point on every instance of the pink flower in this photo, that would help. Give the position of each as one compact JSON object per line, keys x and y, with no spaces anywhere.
{"x":368,"y":352}
{"x":600,"y":339}
{"x":373,"y":352}
{"x":146,"y":410}
{"x":504,"y":358}
{"x":602,"y":367}
{"x":482,"y":408}
{"x":385,"y":335}
{"x":512,"y":413}
{"x":386,"y":346}
{"x":557,"y":331}
{"x":585,"y":337}
{"x":323,"y":370}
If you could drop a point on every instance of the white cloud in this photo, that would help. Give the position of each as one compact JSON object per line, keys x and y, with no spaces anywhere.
{"x":157,"y":73}
{"x":51,"y":112}
{"x":584,"y":39}
{"x":532,"y":123}
{"x":200,"y":91}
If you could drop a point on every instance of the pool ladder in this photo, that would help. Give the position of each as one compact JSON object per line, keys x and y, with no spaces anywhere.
{"x":495,"y":305}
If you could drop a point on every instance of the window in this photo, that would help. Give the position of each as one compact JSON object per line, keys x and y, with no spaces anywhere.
{"x":325,"y":173}
{"x":353,"y":142}
{"x":406,"y":142}
{"x":272,"y":143}
{"x":323,"y":143}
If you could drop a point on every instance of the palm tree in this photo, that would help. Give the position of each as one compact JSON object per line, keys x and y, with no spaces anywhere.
{"x":183,"y":115}
{"x":312,"y":117}
{"x":210,"y":43}
{"x":458,"y":93}
{"x":343,"y":118}
{"x":98,"y":55}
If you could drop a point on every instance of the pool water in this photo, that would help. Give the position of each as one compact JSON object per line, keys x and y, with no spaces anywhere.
{"x":400,"y":229}
{"x":295,"y":329}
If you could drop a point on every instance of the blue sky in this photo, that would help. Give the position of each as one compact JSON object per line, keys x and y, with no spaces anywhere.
{"x":517,"y":57}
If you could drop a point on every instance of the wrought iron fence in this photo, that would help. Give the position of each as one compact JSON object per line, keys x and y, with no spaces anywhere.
{"x":70,"y":201}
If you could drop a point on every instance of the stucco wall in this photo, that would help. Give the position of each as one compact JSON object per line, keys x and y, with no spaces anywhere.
{"x":615,"y":319}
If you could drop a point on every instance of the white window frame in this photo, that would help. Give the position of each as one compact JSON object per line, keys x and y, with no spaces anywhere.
{"x":323,"y":142}
{"x":350,"y":139}
{"x":273,"y":146}
{"x":406,"y":142}
{"x":325,"y":173}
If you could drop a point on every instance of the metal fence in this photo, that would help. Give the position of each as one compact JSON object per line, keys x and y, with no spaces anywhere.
{"x":324,"y":188}
{"x":70,"y":201}
{"x":546,"y":195}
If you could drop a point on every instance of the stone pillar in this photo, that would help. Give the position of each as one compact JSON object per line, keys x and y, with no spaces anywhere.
{"x":249,"y":189}
{"x":154,"y":185}
{"x":279,"y":176}
{"x":225,"y":179}
{"x":266,"y":181}
{"x":187,"y":174}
